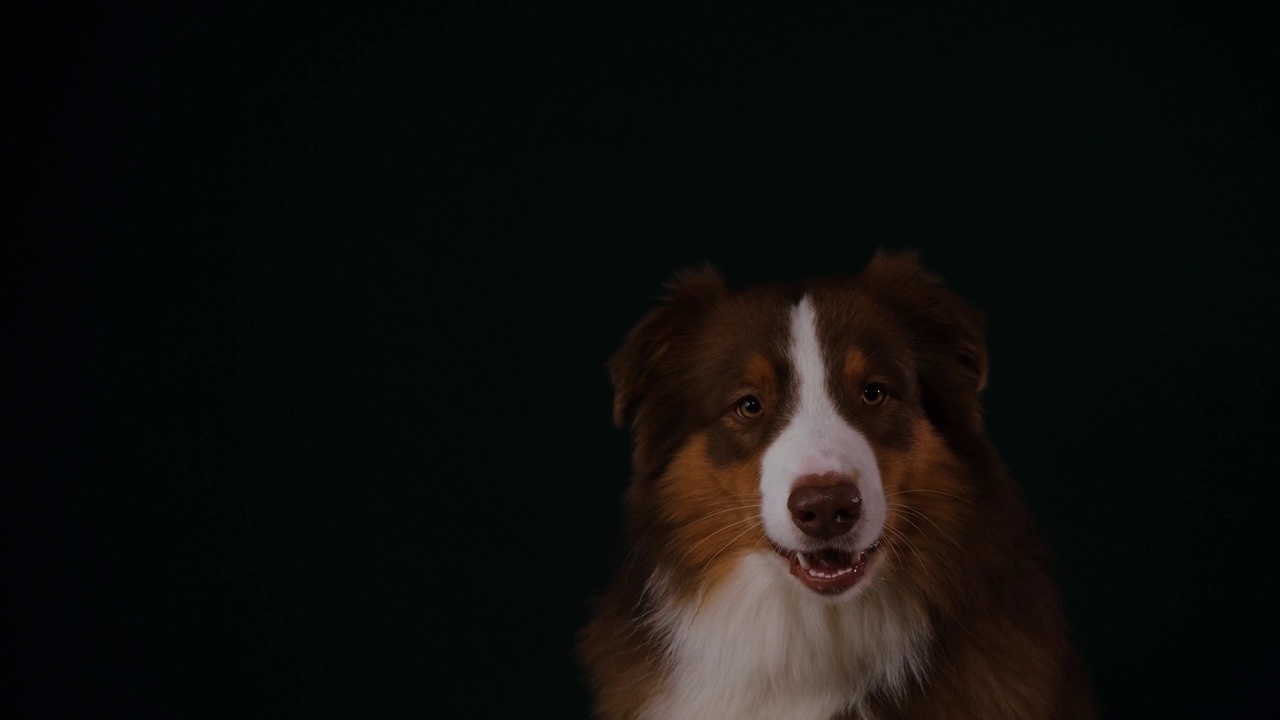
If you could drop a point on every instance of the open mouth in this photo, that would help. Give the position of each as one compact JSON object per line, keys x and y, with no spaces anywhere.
{"x":829,"y":571}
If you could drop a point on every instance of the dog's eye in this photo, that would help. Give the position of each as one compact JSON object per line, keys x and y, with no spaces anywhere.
{"x":749,"y":407}
{"x":874,"y":394}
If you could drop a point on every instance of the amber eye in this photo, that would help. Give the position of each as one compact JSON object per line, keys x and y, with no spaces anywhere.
{"x":874,"y":394}
{"x":749,"y":407}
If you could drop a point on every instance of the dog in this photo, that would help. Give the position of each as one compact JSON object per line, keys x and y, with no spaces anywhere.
{"x":817,"y":525}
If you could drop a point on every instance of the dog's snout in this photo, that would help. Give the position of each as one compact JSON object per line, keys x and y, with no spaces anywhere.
{"x":824,"y":506}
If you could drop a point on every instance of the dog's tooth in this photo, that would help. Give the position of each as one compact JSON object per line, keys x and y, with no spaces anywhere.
{"x":804,"y":561}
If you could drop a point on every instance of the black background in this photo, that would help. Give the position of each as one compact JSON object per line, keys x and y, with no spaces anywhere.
{"x":306,"y":315}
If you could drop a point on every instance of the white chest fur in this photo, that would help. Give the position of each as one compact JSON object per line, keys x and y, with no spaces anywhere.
{"x":761,"y":646}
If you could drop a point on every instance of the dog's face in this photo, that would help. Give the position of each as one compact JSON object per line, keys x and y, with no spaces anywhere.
{"x":814,"y":424}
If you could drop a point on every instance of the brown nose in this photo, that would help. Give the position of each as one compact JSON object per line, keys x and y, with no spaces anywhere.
{"x":824,"y":508}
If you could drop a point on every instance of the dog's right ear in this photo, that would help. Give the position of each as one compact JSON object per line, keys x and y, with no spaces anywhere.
{"x":642,"y":354}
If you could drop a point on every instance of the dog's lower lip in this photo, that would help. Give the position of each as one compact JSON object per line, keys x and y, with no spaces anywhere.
{"x":828,"y":572}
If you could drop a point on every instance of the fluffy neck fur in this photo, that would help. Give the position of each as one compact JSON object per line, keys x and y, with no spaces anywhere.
{"x":760,"y":646}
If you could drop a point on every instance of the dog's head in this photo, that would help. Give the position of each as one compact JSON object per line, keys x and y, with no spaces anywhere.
{"x":822,"y":424}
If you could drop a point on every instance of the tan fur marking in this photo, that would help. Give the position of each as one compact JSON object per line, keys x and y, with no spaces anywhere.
{"x":760,"y":374}
{"x":856,"y":366}
{"x":713,"y":513}
{"x":927,"y":496}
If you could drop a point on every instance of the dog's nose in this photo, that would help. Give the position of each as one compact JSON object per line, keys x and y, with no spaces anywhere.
{"x":824,"y":506}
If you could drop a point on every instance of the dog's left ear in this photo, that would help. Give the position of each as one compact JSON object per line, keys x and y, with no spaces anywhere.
{"x":948,"y":332}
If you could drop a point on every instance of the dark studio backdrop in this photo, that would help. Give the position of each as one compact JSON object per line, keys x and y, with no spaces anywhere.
{"x":306,"y":313}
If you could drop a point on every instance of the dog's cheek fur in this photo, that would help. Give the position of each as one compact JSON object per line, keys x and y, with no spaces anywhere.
{"x":929,"y":512}
{"x":712,"y":514}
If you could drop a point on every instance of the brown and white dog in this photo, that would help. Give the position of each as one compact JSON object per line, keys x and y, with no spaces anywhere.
{"x":817,"y":525}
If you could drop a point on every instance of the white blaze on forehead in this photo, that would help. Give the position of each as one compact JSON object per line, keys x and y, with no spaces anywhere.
{"x":816,"y":440}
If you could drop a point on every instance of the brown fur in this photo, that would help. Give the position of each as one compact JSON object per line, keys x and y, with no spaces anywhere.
{"x":958,"y":536}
